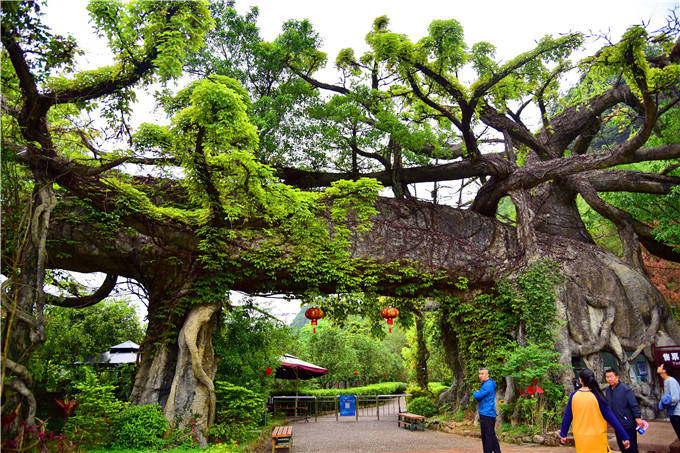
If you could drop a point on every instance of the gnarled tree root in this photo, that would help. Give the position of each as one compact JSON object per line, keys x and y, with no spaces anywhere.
{"x":192,"y":390}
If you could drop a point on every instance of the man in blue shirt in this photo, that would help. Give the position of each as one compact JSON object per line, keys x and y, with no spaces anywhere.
{"x":486,"y":397}
{"x":622,"y":402}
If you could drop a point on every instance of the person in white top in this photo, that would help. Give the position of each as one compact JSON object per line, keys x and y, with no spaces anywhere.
{"x":672,"y":388}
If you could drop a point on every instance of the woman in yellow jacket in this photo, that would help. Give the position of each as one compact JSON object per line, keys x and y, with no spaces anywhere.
{"x":589,"y":411}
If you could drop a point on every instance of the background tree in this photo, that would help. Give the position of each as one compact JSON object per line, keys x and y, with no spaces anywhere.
{"x":91,"y":331}
{"x":247,"y":343}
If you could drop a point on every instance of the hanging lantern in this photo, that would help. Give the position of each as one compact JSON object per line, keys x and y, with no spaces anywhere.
{"x":268,"y":370}
{"x":389,"y":313}
{"x":356,"y":373}
{"x":430,"y":370}
{"x":314,"y":313}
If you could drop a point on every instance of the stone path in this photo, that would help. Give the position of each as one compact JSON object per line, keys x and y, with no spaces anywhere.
{"x":369,"y":435}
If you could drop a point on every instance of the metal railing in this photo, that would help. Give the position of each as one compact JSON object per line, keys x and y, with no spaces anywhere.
{"x":366,"y":406}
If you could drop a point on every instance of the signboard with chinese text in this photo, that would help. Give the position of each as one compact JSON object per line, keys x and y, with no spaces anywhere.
{"x":669,"y":355}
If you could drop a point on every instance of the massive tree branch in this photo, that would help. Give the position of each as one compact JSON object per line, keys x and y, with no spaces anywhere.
{"x":519,"y":133}
{"x":485,"y":165}
{"x":569,"y":124}
{"x":631,"y":181}
{"x":631,"y":231}
{"x":539,"y":172}
{"x":86,"y":301}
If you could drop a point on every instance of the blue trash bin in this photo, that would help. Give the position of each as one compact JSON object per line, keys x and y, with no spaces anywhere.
{"x":348,"y":405}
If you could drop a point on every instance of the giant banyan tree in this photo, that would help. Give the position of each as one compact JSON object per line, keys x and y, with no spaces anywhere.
{"x":266,"y":179}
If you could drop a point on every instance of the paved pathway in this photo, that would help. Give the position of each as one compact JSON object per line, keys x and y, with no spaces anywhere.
{"x":369,"y":435}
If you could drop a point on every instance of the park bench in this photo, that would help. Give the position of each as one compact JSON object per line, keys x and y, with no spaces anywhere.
{"x":282,"y":437}
{"x":411,"y":421}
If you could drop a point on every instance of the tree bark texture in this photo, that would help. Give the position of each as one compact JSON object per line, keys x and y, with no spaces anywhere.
{"x":605,"y":303}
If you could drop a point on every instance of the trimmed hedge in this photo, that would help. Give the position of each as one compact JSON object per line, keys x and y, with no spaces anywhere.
{"x":437,"y":387}
{"x":383,"y":388}
{"x":422,"y":406}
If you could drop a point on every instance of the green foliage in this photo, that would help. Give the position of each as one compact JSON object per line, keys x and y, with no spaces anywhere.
{"x":239,"y":410}
{"x":74,"y":335}
{"x":484,"y":323}
{"x":247,"y":343}
{"x":382,"y":388}
{"x":422,"y":406}
{"x":348,"y":349}
{"x":98,"y":409}
{"x":437,"y":366}
{"x":536,"y":302}
{"x":169,"y":30}
{"x":533,"y":361}
{"x":437,"y":387}
{"x":139,"y":427}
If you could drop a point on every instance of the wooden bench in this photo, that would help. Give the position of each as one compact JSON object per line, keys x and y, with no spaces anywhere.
{"x":282,"y":437}
{"x":411,"y":421}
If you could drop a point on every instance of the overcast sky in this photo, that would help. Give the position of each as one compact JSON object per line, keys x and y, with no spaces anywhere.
{"x":512,"y":26}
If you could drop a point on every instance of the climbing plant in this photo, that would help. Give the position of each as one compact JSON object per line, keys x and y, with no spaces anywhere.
{"x":488,"y":325}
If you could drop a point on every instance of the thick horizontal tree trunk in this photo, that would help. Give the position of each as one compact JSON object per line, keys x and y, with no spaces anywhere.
{"x":606,"y":304}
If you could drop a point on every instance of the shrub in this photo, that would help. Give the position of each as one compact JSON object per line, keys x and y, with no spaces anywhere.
{"x":139,"y":427}
{"x":437,"y":387}
{"x":422,"y":406}
{"x":383,"y":388}
{"x":230,"y":432}
{"x":239,"y":410}
{"x":416,"y":392}
{"x":98,"y":408}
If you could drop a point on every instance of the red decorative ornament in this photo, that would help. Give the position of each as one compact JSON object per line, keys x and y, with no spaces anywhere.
{"x":533,"y":389}
{"x":356,"y":373}
{"x":268,"y":370}
{"x":314,"y":313}
{"x":389,"y":313}
{"x":430,"y":370}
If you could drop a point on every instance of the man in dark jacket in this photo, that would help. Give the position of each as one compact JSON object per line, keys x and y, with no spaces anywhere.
{"x":624,"y":405}
{"x":486,"y":397}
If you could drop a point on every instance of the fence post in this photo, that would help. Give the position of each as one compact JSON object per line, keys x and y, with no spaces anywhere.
{"x":356,"y":408}
{"x":316,"y":409}
{"x":337,"y":406}
{"x":377,"y":406}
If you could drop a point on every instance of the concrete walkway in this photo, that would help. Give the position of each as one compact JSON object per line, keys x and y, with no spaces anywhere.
{"x":369,"y":435}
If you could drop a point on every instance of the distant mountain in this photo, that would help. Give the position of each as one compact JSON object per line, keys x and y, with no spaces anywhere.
{"x":299,"y":321}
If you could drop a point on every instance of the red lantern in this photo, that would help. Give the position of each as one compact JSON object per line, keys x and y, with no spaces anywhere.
{"x":389,"y":313}
{"x":430,"y":370}
{"x":356,"y":373}
{"x":268,"y":370}
{"x":314,"y":313}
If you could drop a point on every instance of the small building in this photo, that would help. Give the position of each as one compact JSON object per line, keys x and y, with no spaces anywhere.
{"x":119,"y":354}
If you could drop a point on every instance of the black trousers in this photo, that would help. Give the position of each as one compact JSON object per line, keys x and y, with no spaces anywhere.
{"x":675,"y":421}
{"x":632,"y":433}
{"x":489,"y":440}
